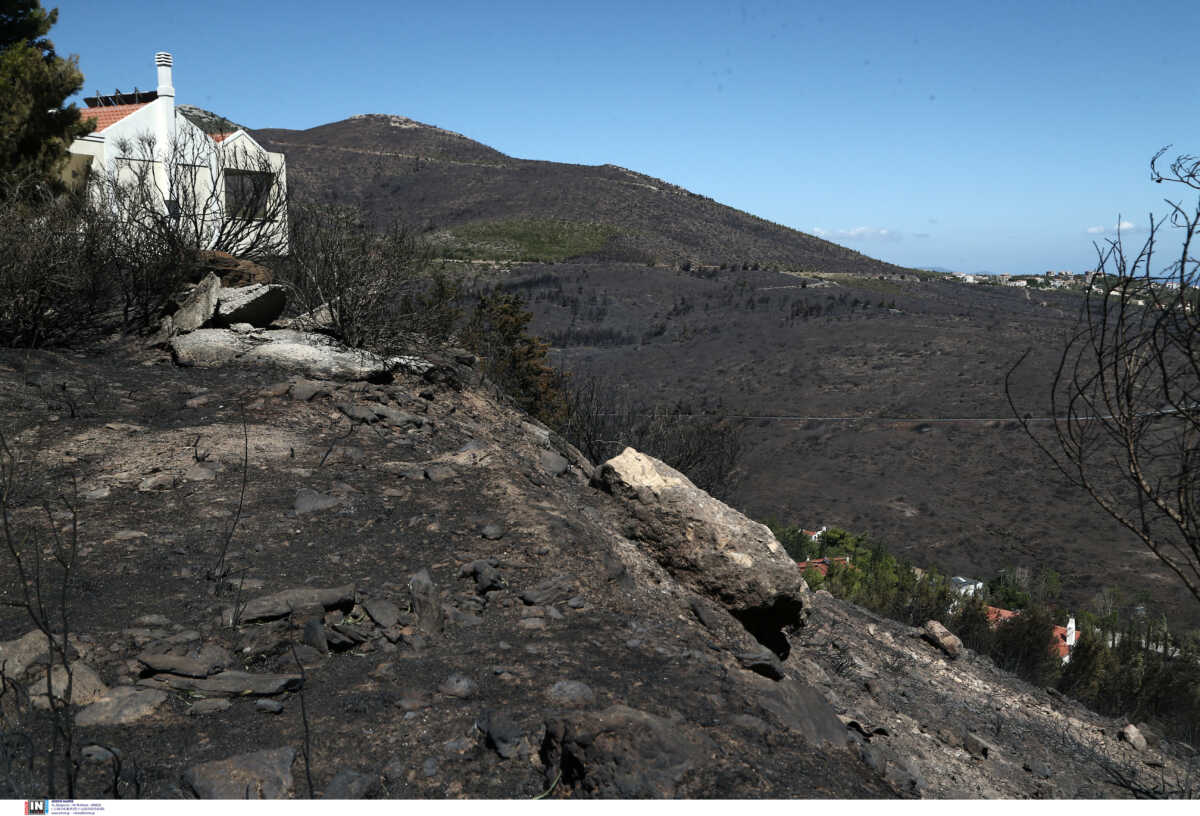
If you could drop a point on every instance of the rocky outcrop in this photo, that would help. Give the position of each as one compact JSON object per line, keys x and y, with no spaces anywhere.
{"x":943,"y":638}
{"x":313,"y":355}
{"x":708,"y":546}
{"x":257,"y":304}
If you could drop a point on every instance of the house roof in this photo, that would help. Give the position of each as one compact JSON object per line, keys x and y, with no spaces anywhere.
{"x":109,"y":114}
{"x":220,"y":137}
{"x":995,"y":614}
{"x":822,"y":565}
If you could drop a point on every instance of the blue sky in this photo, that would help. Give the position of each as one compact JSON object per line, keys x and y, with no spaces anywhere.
{"x":1001,"y":136}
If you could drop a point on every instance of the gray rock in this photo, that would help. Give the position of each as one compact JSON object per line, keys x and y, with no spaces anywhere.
{"x":798,"y":707}
{"x":458,"y":685}
{"x":269,"y":706}
{"x":492,"y":531}
{"x":310,"y":501}
{"x":314,"y":635}
{"x":385,"y":613}
{"x":258,"y":304}
{"x":86,"y":686}
{"x":440,"y":473}
{"x":197,"y":308}
{"x":1133,"y":736}
{"x":500,"y":733}
{"x":349,"y":784}
{"x":640,"y":755}
{"x":261,"y":775}
{"x":430,"y":767}
{"x":208,"y":347}
{"x":553,"y":590}
{"x":762,"y":661}
{"x":282,"y":604}
{"x":230,"y":683}
{"x":156,"y":481}
{"x":978,"y":747}
{"x":305,"y":390}
{"x":213,"y":705}
{"x":708,"y":546}
{"x":487,"y":576}
{"x":120,"y":706}
{"x":553,"y":463}
{"x":571,"y":693}
{"x":176,"y":664}
{"x":1038,"y":768}
{"x":357,"y":412}
{"x":940,"y":636}
{"x":397,"y":418}
{"x":426,"y":604}
{"x":18,"y":655}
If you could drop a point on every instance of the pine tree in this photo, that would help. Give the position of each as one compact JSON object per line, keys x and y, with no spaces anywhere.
{"x":35,"y":128}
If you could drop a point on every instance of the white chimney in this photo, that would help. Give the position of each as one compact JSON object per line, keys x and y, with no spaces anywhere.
{"x":163,"y":60}
{"x":1071,"y":632}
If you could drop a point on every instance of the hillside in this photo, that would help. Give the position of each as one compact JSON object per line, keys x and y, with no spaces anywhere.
{"x":450,"y":185}
{"x":745,"y":317}
{"x":273,"y":596}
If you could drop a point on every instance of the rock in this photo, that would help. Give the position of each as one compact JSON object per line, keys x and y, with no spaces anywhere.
{"x":86,"y":686}
{"x":425,"y":603}
{"x":157,"y":481}
{"x":197,"y":308}
{"x":1153,"y":740}
{"x":207,"y":347}
{"x":487,"y":576}
{"x":200,"y":472}
{"x":305,"y":390}
{"x":159,"y":621}
{"x":705,"y":614}
{"x":359,"y":413}
{"x":309,"y":656}
{"x":978,"y":747}
{"x":553,"y":590}
{"x":231,"y":683}
{"x":282,"y":604}
{"x":314,"y":635}
{"x":257,"y":304}
{"x":553,"y":463}
{"x":624,"y":753}
{"x":708,"y":546}
{"x":413,"y":701}
{"x":492,"y":531}
{"x":269,"y":706}
{"x":430,"y":767}
{"x":797,"y":706}
{"x":1133,"y":736}
{"x":571,"y":693}
{"x":18,"y":655}
{"x":762,"y":661}
{"x":397,"y":418}
{"x":458,"y":685}
{"x":500,"y":733}
{"x":310,"y":501}
{"x":1038,"y":768}
{"x":120,"y":706}
{"x":940,"y":636}
{"x":213,"y":705}
{"x":261,"y":775}
{"x":440,"y":473}
{"x":310,"y":354}
{"x":232,"y":271}
{"x":349,"y":784}
{"x":385,"y":613}
{"x":177,"y":664}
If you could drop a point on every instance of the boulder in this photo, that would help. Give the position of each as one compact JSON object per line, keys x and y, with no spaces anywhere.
{"x":281,"y":604}
{"x":940,"y":636}
{"x":978,"y":747}
{"x":18,"y":655}
{"x":86,"y":686}
{"x":708,"y":546}
{"x":1133,"y":736}
{"x":258,"y":305}
{"x":261,"y":775}
{"x":232,"y":271}
{"x":121,"y":706}
{"x":313,"y":355}
{"x":624,"y":753}
{"x":197,"y":307}
{"x":230,"y":683}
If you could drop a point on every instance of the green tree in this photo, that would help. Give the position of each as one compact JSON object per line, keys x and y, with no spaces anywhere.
{"x":35,"y":128}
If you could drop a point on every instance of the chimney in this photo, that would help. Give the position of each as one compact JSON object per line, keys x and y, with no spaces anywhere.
{"x":1071,"y":632}
{"x":163,"y":60}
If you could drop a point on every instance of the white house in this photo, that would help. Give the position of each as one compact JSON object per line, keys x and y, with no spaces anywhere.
{"x":224,"y":191}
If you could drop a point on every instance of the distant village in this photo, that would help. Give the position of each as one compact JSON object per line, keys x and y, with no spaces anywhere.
{"x":1063,"y":279}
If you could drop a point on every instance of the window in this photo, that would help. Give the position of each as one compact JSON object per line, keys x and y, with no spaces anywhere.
{"x":247,"y":193}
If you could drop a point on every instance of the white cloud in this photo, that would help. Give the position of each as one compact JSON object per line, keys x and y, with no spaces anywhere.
{"x":820,"y":233}
{"x":1123,"y":226}
{"x":869,"y":234}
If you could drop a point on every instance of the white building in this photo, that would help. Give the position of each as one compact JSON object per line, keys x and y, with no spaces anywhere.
{"x":225,"y":190}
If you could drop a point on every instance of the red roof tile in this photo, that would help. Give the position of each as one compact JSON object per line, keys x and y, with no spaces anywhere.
{"x":220,"y":137}
{"x":109,"y":114}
